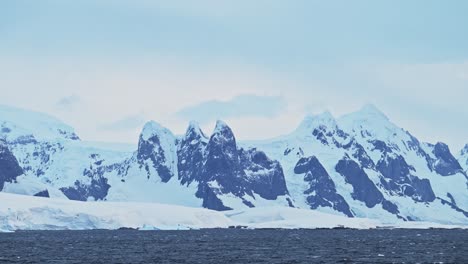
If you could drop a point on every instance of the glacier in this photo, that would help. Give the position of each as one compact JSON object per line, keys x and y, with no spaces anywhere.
{"x":21,"y":212}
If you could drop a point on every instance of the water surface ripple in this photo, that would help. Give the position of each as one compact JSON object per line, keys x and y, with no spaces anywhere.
{"x":236,"y":246}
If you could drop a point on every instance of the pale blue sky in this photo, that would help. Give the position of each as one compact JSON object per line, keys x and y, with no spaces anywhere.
{"x":113,"y":64}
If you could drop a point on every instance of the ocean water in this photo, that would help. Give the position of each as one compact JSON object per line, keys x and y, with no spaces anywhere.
{"x":236,"y":246}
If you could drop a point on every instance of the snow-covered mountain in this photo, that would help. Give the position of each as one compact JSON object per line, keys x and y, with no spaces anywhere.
{"x":381,"y":170}
{"x":358,"y":165}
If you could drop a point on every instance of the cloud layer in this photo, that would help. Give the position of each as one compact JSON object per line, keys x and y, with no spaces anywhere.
{"x":237,"y":107}
{"x":105,"y":66}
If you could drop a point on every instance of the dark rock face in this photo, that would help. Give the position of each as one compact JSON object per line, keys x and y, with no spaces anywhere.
{"x":98,"y":189}
{"x":390,"y":207}
{"x":222,"y":162}
{"x":446,"y":164}
{"x":364,"y":188}
{"x":9,"y":167}
{"x":360,"y":154}
{"x":322,"y":190}
{"x":328,"y":136}
{"x":380,"y":145}
{"x":210,"y":200}
{"x":191,"y":155}
{"x":398,"y":179}
{"x":264,"y":176}
{"x":150,"y":150}
{"x":219,"y":167}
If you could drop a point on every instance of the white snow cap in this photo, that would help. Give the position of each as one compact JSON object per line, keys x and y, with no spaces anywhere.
{"x":19,"y":122}
{"x":153,"y":128}
{"x":370,"y":111}
{"x":194,"y":130}
{"x":195,"y":127}
{"x":220,"y":126}
{"x":313,"y":121}
{"x":371,"y":119}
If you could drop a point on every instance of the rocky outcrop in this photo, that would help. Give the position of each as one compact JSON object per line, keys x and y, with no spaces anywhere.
{"x":9,"y":167}
{"x":397,"y":179}
{"x":265,"y":177}
{"x":363,"y":188}
{"x":222,"y":163}
{"x":445,"y":163}
{"x":156,"y":151}
{"x":230,"y":170}
{"x":97,"y":189}
{"x":322,"y":190}
{"x":220,"y":167}
{"x":191,"y":154}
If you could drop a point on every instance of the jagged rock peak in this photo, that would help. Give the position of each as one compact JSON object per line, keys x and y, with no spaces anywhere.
{"x":157,"y":144}
{"x":220,"y":126}
{"x":222,"y":132}
{"x":194,"y":131}
{"x":153,"y":128}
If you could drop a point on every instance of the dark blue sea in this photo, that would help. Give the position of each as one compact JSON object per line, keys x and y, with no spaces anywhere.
{"x":236,"y":246}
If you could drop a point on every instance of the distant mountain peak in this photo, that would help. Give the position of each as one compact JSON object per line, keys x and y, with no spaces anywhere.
{"x":17,"y":123}
{"x":370,"y":122}
{"x":157,"y":144}
{"x":223,"y":129}
{"x":371,"y":111}
{"x":312,"y":121}
{"x":193,"y":125}
{"x":194,"y":130}
{"x":152,"y":128}
{"x":220,"y":125}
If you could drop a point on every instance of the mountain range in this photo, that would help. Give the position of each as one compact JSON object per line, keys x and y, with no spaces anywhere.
{"x":357,"y":165}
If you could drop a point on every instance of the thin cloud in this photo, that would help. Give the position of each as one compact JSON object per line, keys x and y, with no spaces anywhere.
{"x":237,"y":107}
{"x":127,"y":123}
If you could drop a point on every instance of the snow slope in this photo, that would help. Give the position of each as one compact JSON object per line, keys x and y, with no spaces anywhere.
{"x":16,"y":123}
{"x":284,"y":217}
{"x":18,"y":212}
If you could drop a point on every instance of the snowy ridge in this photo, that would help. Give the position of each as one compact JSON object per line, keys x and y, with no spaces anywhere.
{"x":311,"y":122}
{"x":399,"y":168}
{"x":360,"y":165}
{"x":17,"y":124}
